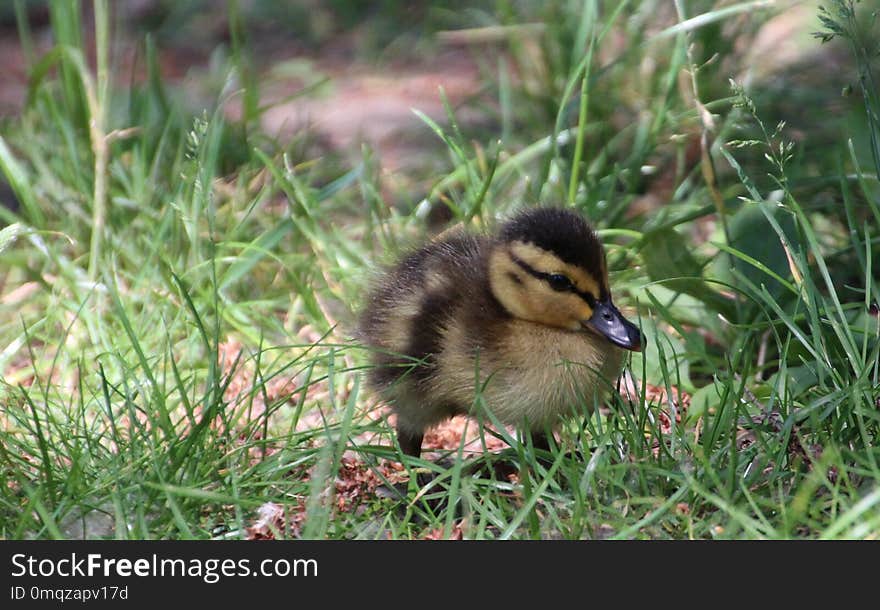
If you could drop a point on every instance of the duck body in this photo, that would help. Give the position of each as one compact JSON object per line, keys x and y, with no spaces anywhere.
{"x":471,"y":320}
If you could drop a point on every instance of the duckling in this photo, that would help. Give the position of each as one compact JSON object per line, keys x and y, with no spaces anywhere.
{"x":522,"y":318}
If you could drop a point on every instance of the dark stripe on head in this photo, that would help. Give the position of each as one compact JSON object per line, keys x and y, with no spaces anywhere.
{"x":563,"y":232}
{"x":586,"y":296}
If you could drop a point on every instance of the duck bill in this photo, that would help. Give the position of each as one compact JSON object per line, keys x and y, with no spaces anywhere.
{"x":610,"y":323}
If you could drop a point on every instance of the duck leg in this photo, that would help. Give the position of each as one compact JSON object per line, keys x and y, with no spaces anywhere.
{"x":540,"y":440}
{"x":410,"y":443}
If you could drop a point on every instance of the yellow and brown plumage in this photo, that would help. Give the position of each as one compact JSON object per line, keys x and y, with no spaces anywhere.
{"x":523,"y":318}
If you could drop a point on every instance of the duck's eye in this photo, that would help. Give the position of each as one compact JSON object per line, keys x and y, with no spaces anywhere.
{"x":559,"y":282}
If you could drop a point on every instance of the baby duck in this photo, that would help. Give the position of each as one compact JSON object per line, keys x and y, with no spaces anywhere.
{"x":523,"y":318}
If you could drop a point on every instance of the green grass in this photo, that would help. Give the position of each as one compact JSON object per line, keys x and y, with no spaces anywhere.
{"x":177,"y":292}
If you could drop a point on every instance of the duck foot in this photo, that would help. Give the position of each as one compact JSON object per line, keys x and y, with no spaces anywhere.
{"x":401,"y":491}
{"x":428,"y":499}
{"x":502,"y":466}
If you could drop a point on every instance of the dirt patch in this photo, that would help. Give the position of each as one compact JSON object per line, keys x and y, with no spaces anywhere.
{"x":375,"y":105}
